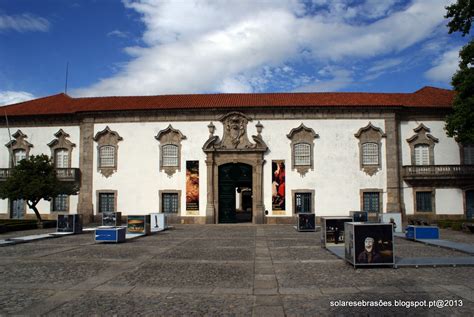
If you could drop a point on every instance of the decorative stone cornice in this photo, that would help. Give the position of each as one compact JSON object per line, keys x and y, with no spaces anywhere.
{"x":422,"y":137}
{"x":61,"y":142}
{"x":170,"y":136}
{"x":107,"y":137}
{"x":302,"y":134}
{"x":370,"y":134}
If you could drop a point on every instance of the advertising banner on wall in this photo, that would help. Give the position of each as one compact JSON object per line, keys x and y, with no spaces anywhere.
{"x":278,"y":185}
{"x":192,"y":185}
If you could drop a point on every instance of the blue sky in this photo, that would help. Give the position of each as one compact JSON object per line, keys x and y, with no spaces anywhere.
{"x":147,"y":47}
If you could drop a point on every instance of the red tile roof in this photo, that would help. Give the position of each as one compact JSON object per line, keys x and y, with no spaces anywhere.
{"x":427,"y":97}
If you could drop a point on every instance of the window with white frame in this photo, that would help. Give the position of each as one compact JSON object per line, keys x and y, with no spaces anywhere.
{"x":170,"y":155}
{"x":107,"y":156}
{"x":422,"y":154}
{"x":302,"y":152}
{"x":170,"y":203}
{"x":61,"y":158}
{"x":468,"y":153}
{"x":370,"y":153}
{"x":60,"y":203}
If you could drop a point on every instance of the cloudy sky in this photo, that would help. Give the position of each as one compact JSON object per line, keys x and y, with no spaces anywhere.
{"x":150,"y":47}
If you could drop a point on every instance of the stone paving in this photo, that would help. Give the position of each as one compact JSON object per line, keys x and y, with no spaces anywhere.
{"x":228,"y":270}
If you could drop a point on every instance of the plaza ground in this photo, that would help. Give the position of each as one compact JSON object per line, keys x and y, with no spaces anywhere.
{"x":242,"y":270}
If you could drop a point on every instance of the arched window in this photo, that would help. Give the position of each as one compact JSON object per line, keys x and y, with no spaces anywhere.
{"x":169,"y":155}
{"x":107,"y":156}
{"x":61,"y":158}
{"x":370,"y":153}
{"x":19,"y":155}
{"x":422,"y":154}
{"x":302,"y":154}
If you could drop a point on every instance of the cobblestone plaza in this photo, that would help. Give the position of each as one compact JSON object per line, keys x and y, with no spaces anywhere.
{"x":243,"y":270}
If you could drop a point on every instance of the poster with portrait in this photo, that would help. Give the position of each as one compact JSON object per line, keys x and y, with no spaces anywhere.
{"x":373,"y":244}
{"x":192,"y":185}
{"x":278,"y":185}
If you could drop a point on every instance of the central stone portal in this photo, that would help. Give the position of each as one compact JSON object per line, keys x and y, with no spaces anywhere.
{"x":235,"y":193}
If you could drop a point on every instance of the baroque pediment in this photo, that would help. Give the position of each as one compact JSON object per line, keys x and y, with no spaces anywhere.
{"x":235,"y":137}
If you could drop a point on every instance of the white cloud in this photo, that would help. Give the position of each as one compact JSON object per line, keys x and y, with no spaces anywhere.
{"x":444,"y":67}
{"x":339,"y":78}
{"x":10,"y":97}
{"x":203,"y":46}
{"x":23,"y":23}
{"x":118,"y":33}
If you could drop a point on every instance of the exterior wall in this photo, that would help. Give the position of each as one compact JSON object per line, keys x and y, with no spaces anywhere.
{"x":39,"y":137}
{"x":336,"y":178}
{"x":138,"y":178}
{"x":448,"y":201}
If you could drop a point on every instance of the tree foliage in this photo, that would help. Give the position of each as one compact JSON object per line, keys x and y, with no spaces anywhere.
{"x":460,"y":123}
{"x":34,"y":179}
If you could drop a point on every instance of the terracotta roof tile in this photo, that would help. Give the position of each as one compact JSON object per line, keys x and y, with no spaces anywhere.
{"x":427,"y":97}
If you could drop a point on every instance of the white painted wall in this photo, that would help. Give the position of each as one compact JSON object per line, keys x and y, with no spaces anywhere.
{"x":39,"y":137}
{"x":446,"y":151}
{"x":448,"y":201}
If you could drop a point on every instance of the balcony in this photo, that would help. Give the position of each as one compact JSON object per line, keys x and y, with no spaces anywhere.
{"x":63,"y":174}
{"x":433,"y":175}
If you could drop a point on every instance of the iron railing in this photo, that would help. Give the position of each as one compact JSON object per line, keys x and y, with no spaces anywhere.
{"x":63,"y":174}
{"x":438,"y":171}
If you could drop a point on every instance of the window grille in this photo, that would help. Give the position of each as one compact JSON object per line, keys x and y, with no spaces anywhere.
{"x":106,"y":202}
{"x":423,"y":201}
{"x":370,"y":154}
{"x":422,"y":154}
{"x":302,"y":154}
{"x":107,"y":156}
{"x":60,"y":203}
{"x":170,"y":155}
{"x":170,"y":202}
{"x":371,"y":202}
{"x":469,"y":154}
{"x":19,"y":155}
{"x":61,"y":159}
{"x":303,"y":202}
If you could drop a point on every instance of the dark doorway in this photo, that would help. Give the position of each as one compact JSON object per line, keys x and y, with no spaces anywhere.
{"x":17,"y":209}
{"x":470,"y":204}
{"x":235,"y":193}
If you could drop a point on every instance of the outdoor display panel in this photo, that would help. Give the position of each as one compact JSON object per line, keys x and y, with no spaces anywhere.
{"x":111,"y":219}
{"x":422,"y":232}
{"x":332,"y":230}
{"x":69,"y":223}
{"x":278,"y":185}
{"x":359,"y":216}
{"x":138,"y":224}
{"x":158,"y":222}
{"x":306,"y":222}
{"x":110,"y":234}
{"x":394,"y":218}
{"x":192,"y":185}
{"x":369,"y":244}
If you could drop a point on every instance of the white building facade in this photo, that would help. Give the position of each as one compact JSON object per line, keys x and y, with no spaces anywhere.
{"x":259,"y":158}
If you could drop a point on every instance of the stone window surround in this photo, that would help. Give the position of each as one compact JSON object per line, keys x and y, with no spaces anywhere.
{"x":170,"y":136}
{"x":67,"y":205}
{"x":372,"y":190}
{"x":464,"y":200}
{"x":422,"y":137}
{"x":110,"y":138}
{"x":19,"y":143}
{"x":105,"y":191}
{"x":461,"y":152}
{"x":433,"y":200}
{"x":302,"y":134}
{"x":370,"y":134}
{"x":61,"y":142}
{"x":302,"y":191}
{"x":169,"y":191}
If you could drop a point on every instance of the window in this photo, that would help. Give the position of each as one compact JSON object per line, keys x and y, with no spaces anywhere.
{"x":107,"y":156}
{"x":60,"y":203}
{"x":303,"y":203}
{"x":302,"y":154}
{"x":422,"y":154}
{"x":170,"y":155}
{"x":170,"y":203}
{"x":106,"y":202}
{"x":468,"y":153}
{"x":371,"y":202}
{"x":370,"y":154}
{"x":19,"y":155}
{"x":424,"y":201}
{"x":61,"y":158}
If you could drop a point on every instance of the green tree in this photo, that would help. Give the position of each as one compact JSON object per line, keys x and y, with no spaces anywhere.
{"x":460,"y":123}
{"x":34,"y":179}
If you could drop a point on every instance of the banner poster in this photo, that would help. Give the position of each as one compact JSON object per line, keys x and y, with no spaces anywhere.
{"x":278,"y":185}
{"x":192,"y":185}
